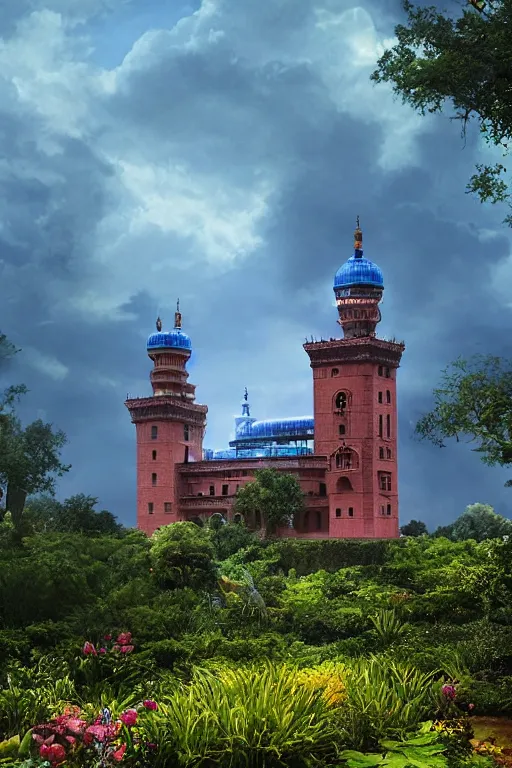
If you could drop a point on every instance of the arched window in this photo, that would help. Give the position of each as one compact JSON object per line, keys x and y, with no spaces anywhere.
{"x":335,"y":371}
{"x":343,"y":484}
{"x":346,"y":458}
{"x":341,"y":401}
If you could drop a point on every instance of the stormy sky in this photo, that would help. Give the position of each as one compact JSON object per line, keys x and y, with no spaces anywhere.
{"x":220,"y":152}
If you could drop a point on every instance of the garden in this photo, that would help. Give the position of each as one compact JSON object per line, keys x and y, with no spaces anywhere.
{"x":211,"y":647}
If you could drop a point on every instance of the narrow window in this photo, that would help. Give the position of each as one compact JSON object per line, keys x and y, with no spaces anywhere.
{"x":388,"y":373}
{"x":212,"y":490}
{"x":338,"y":513}
{"x":341,"y":429}
{"x":381,"y":453}
{"x":153,"y":478}
{"x":388,"y":453}
{"x":225,"y":489}
{"x":380,"y":397}
{"x":380,"y":425}
{"x":335,"y":371}
{"x":341,"y":401}
{"x":186,"y":432}
{"x":380,"y":370}
{"x":351,"y":511}
{"x":237,"y":487}
{"x":150,"y":508}
{"x":153,"y":455}
{"x":385,"y":481}
{"x":154,"y":432}
{"x":185,"y":459}
{"x":388,"y":396}
{"x":322,"y":490}
{"x":388,"y":510}
{"x":382,"y":510}
{"x":318,"y":520}
{"x":167,"y":507}
{"x":388,"y":425}
{"x":244,"y":473}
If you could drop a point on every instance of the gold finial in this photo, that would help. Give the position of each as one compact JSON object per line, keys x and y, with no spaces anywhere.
{"x":177,"y":315}
{"x":358,"y":236}
{"x":158,"y":324}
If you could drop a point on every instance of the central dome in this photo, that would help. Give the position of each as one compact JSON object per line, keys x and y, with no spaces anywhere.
{"x":175,"y":339}
{"x":359,"y":271}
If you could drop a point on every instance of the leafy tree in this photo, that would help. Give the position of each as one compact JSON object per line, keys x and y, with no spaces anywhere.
{"x":474,"y":401}
{"x":182,"y":556}
{"x":74,"y":515}
{"x":414,"y":528}
{"x":480,"y":522}
{"x":229,"y":538}
{"x":274,"y":498}
{"x":465,"y":60}
{"x":29,"y":461}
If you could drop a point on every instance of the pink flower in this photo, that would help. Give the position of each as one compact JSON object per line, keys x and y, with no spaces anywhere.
{"x":150,"y":704}
{"x":71,"y":739}
{"x":44,"y":751}
{"x":471,"y":707}
{"x":89,"y":649}
{"x":55,"y":753}
{"x":76,"y":725}
{"x":449,"y":692}
{"x":127,"y":648}
{"x":98,"y":732}
{"x":124,"y":638}
{"x":107,"y":637}
{"x":129,"y":717}
{"x":102,"y":650}
{"x":116,"y":647}
{"x":119,"y":753}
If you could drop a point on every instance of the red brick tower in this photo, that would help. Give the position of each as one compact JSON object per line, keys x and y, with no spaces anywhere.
{"x":170,"y":427}
{"x":354,"y":384}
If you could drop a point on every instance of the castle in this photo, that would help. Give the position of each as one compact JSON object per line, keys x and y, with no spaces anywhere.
{"x":345,"y":457}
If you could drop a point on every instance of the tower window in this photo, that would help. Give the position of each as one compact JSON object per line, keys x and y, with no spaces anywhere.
{"x":167,"y":507}
{"x":225,"y":489}
{"x":385,"y":481}
{"x":341,"y":401}
{"x":388,"y":373}
{"x":388,"y":509}
{"x":186,"y":432}
{"x":185,"y":459}
{"x":322,"y":490}
{"x":153,"y":455}
{"x":388,"y":396}
{"x":338,"y":513}
{"x":212,"y":490}
{"x":380,"y":397}
{"x":388,"y":453}
{"x":388,"y":425}
{"x":341,"y":429}
{"x":381,"y":453}
{"x":380,"y":426}
{"x":335,"y":371}
{"x":154,"y":432}
{"x":153,"y":478}
{"x":150,"y":508}
{"x":351,"y":511}
{"x":380,"y":370}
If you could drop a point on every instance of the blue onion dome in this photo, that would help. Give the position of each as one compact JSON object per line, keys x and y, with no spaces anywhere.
{"x":358,"y":270}
{"x":174,"y":339}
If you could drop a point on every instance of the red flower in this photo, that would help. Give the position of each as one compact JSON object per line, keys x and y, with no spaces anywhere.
{"x":107,"y":637}
{"x":89,"y":649}
{"x":119,"y":753}
{"x":55,"y":753}
{"x":124,"y":638}
{"x":150,"y":704}
{"x":127,"y":648}
{"x":129,"y":717}
{"x":98,"y":732}
{"x":44,"y":750}
{"x":102,"y":650}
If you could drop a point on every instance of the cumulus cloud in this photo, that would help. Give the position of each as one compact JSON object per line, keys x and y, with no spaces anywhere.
{"x":222,"y":158}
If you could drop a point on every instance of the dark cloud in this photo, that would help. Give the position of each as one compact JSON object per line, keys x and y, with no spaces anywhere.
{"x":224,"y":161}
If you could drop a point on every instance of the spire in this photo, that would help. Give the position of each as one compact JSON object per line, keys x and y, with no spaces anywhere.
{"x":158,"y":324}
{"x":245,"y":404}
{"x":358,"y":240}
{"x":177,"y":315}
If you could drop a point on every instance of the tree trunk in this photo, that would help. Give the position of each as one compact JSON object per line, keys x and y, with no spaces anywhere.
{"x":15,"y":504}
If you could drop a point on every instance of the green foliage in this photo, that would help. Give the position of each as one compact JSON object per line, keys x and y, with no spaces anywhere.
{"x":474,"y":401}
{"x":182,"y":556}
{"x":273,"y":498}
{"x":230,"y":538}
{"x":388,"y":626}
{"x":414,"y":528}
{"x":424,"y":750}
{"x":74,"y":515}
{"x":466,"y":60}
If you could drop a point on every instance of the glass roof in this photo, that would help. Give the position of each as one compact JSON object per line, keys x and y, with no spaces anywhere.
{"x":358,"y":271}
{"x":175,"y":339}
